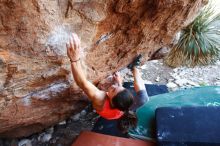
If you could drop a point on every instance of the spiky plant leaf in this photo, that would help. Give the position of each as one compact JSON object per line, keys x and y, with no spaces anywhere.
{"x":199,"y":43}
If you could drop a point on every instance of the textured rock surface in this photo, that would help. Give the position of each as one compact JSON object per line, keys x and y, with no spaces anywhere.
{"x":35,"y":89}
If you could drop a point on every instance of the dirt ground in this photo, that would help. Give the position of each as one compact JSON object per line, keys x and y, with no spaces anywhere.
{"x":64,"y":133}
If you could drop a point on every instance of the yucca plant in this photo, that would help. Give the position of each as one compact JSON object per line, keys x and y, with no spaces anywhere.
{"x":199,"y":42}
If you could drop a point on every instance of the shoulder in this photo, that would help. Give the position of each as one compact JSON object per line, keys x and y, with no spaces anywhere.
{"x":99,"y":102}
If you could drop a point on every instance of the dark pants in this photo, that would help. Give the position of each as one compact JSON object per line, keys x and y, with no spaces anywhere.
{"x":108,"y":127}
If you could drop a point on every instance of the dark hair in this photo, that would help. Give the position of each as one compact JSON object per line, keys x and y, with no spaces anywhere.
{"x":123,"y":101}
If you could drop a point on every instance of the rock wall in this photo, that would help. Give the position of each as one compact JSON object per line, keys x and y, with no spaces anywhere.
{"x":36,"y":87}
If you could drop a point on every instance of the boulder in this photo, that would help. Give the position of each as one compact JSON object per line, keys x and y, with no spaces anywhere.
{"x":36,"y":86}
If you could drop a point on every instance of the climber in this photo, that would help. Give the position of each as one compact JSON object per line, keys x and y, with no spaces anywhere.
{"x":118,"y":102}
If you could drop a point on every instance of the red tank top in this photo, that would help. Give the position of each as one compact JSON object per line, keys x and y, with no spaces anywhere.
{"x":109,"y":113}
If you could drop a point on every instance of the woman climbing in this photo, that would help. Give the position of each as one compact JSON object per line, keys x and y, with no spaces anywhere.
{"x":118,"y":103}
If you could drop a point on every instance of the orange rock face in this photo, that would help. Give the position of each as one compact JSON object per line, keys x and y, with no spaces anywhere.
{"x":36,"y":87}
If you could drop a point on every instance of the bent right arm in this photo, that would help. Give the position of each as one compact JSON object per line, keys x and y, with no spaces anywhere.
{"x":139,"y":86}
{"x":138,"y":81}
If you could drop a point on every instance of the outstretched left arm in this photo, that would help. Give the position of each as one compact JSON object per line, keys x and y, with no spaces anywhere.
{"x":73,"y":52}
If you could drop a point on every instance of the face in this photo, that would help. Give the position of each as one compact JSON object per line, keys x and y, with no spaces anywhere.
{"x":114,"y":90}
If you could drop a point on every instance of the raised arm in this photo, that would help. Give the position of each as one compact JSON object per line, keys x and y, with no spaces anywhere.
{"x":73,"y":52}
{"x":140,"y":89}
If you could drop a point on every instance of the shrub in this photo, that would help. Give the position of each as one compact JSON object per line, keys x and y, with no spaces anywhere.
{"x":199,"y":42}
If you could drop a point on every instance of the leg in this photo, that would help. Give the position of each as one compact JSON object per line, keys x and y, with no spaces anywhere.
{"x":138,"y":81}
